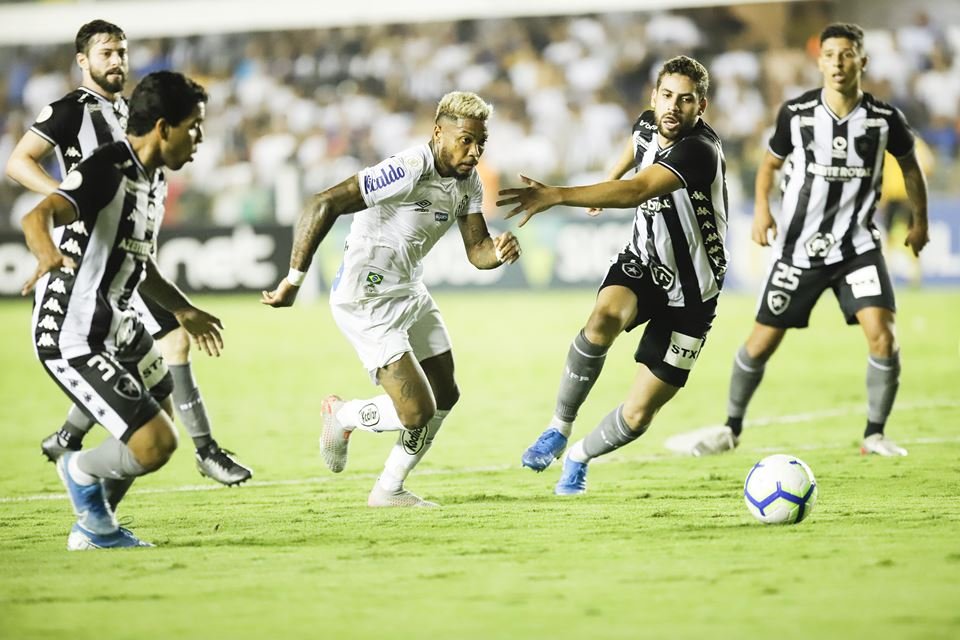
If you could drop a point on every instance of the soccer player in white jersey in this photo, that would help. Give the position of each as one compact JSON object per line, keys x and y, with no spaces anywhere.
{"x":403,"y":206}
{"x":824,"y":236}
{"x":668,"y":275}
{"x":73,"y":126}
{"x":90,"y":341}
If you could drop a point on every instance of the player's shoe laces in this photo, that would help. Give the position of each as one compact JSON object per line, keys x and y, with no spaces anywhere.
{"x":380,"y":497}
{"x":82,"y":540}
{"x":707,"y":441}
{"x":58,"y":443}
{"x":882,"y":446}
{"x":221,"y":465}
{"x":334,"y":438}
{"x":573,"y":480}
{"x":93,"y":512}
{"x":548,"y":447}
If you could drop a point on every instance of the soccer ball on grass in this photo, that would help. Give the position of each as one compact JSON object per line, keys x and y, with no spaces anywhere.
{"x":780,"y":489}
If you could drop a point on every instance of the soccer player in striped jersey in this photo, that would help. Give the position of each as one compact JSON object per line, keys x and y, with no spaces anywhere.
{"x":668,"y":275}
{"x":94,"y":238}
{"x":824,"y":236}
{"x":402,"y":207}
{"x":73,"y":126}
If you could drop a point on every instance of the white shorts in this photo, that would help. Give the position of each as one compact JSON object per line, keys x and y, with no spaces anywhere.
{"x":381,"y":330}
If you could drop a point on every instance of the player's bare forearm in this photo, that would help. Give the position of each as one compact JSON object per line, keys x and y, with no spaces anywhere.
{"x":652,"y":181}
{"x":625,"y":162}
{"x":318,"y":216}
{"x":764,"y":182}
{"x":484,"y":251}
{"x":916,"y":184}
{"x":167,"y":294}
{"x":54,"y":210}
{"x":24,"y":165}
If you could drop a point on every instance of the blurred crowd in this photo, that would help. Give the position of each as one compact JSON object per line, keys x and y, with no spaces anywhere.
{"x":294,"y":112}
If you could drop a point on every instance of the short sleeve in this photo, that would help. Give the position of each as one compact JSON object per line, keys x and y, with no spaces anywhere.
{"x":693,"y":159}
{"x":781,"y":142}
{"x":392,"y":179}
{"x":900,"y":142}
{"x":476,"y":195}
{"x":58,"y":122}
{"x":91,"y":186}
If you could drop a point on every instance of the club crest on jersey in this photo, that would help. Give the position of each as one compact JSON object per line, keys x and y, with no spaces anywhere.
{"x":662,"y":275}
{"x":632,"y":270}
{"x":819,"y":244}
{"x":412,"y":441}
{"x":866,"y":145}
{"x":127,"y":387}
{"x":777,"y":302}
{"x":388,"y":175}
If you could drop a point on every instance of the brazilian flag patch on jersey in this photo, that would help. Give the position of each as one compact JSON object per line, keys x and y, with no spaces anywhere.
{"x":374,"y":278}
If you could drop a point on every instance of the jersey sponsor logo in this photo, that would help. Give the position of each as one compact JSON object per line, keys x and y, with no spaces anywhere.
{"x":152,"y":369}
{"x":649,"y":126}
{"x":52,"y":304}
{"x":48,"y":322}
{"x":881,"y":110}
{"x":369,"y":415}
{"x":127,"y":387}
{"x":683,"y":350}
{"x":45,"y":114}
{"x":838,"y":174}
{"x":663,"y":276}
{"x":839,"y":147}
{"x":142,"y":248}
{"x":46,"y":340}
{"x":778,"y":301}
{"x":803,"y":105}
{"x":57,"y":286}
{"x":77,"y":226}
{"x":653,"y":206}
{"x":412,"y":441}
{"x":441,"y":216}
{"x":73,"y":181}
{"x":819,"y":244}
{"x":632,"y":270}
{"x":72,"y":152}
{"x":864,"y":282}
{"x":422,"y":206}
{"x":704,"y":212}
{"x":388,"y":175}
{"x":71,"y":246}
{"x":698,"y":196}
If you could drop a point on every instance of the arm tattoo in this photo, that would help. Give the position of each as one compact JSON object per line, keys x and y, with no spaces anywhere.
{"x":318,"y":216}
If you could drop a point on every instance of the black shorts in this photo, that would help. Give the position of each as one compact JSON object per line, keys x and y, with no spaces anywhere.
{"x":674,"y":337}
{"x":791,"y":292}
{"x":121,"y":390}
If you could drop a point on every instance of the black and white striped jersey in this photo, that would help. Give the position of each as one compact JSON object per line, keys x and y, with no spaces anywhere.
{"x":78,"y":123}
{"x":680,"y":236}
{"x":836,"y":169}
{"x":119,"y":207}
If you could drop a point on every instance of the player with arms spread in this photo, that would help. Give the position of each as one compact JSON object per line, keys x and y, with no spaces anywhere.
{"x":403,"y":206}
{"x":825,"y":237}
{"x":73,"y":126}
{"x":107,"y":212}
{"x":669,"y":274}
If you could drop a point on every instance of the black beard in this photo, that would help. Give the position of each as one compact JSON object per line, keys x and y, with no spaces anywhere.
{"x":107,"y":85}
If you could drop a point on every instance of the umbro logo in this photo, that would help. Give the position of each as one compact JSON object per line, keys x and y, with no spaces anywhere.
{"x":422,"y":206}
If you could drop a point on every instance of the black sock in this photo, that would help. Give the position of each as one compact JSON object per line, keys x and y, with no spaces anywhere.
{"x":735,"y":424}
{"x":872,"y":428}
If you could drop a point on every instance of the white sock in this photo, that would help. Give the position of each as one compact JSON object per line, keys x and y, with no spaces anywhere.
{"x":577,"y":454}
{"x":566,"y":428}
{"x":408,"y":451}
{"x":376,"y":414}
{"x":79,"y":475}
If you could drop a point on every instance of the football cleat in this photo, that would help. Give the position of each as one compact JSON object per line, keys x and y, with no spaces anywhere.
{"x":334,"y":437}
{"x":221,"y":465}
{"x":82,"y":540}
{"x":707,"y":441}
{"x":880,"y":445}
{"x":89,"y":504}
{"x":573,"y":479}
{"x":548,"y":447}
{"x":58,"y":443}
{"x":380,"y":497}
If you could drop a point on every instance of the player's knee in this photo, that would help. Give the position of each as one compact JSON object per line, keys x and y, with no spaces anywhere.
{"x":638,"y":417}
{"x":417,"y":416}
{"x":883,"y":344}
{"x":448,"y":398}
{"x":154,"y":444}
{"x":176,"y":345}
{"x":605,"y":324}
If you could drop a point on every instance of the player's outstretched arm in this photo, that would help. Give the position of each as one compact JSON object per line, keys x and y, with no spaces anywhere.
{"x":24,"y":165}
{"x":54,"y":210}
{"x":764,"y":228}
{"x":916,"y":183}
{"x":484,"y":251}
{"x":204,"y":327}
{"x":313,"y":225}
{"x":625,"y":162}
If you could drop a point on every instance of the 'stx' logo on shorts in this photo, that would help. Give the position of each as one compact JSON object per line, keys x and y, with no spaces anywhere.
{"x":632,"y":269}
{"x":777,"y":302}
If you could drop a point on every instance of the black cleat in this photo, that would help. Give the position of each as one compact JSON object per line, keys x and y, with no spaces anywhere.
{"x":220,"y":465}
{"x":58,"y":443}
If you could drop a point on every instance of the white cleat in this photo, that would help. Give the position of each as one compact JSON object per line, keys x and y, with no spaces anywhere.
{"x":380,"y":497}
{"x":707,"y":441}
{"x":334,"y":438}
{"x":882,"y":446}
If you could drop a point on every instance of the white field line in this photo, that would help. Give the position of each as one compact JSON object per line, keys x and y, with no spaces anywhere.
{"x":761,"y":422}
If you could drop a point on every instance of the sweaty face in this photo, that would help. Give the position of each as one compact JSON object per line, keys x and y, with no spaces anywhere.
{"x":181,"y":141}
{"x":458,"y":144}
{"x":841,"y":64}
{"x":107,"y":62}
{"x":676,"y":106}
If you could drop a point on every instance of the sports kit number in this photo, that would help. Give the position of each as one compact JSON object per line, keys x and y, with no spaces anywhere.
{"x":786,"y":277}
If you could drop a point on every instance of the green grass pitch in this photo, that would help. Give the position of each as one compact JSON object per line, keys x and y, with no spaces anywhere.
{"x":661,"y":546}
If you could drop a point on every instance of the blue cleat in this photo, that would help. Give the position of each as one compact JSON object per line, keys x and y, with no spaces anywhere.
{"x":548,"y":447}
{"x":573,"y":480}
{"x":89,"y":504}
{"x":82,"y":540}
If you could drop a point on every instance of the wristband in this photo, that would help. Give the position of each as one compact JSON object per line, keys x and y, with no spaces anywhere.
{"x":296,"y":277}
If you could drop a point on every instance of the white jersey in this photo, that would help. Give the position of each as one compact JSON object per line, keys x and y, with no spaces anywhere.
{"x":410,"y":207}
